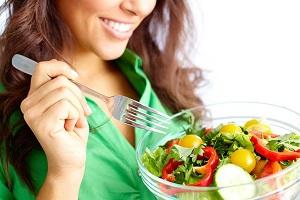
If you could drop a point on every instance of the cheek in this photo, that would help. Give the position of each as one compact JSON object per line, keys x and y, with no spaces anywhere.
{"x":152,"y":4}
{"x":82,"y":16}
{"x":77,"y":13}
{"x":93,"y":6}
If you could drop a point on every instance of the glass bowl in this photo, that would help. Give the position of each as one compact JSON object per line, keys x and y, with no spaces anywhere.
{"x":284,"y":185}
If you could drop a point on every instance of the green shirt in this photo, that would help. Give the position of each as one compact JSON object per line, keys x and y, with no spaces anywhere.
{"x":111,"y":169}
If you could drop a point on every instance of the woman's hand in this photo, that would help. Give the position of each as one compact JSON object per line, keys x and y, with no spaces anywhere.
{"x":56,"y":111}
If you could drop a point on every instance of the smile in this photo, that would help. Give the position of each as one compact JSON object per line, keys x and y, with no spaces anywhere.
{"x":117,"y":26}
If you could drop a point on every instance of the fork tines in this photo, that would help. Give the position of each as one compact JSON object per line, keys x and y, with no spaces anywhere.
{"x":144,"y":117}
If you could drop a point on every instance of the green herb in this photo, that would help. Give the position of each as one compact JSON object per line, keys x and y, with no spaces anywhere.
{"x":289,"y":141}
{"x":185,"y":174}
{"x":225,"y":144}
{"x":173,"y":154}
{"x":188,"y":172}
{"x":244,"y":141}
{"x":286,"y":163}
{"x":224,"y":161}
{"x":197,"y":152}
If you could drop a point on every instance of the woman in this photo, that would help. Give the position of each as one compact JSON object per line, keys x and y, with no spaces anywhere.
{"x":47,"y":151}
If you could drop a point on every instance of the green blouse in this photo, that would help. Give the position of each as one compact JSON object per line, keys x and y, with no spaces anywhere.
{"x":111,"y":168}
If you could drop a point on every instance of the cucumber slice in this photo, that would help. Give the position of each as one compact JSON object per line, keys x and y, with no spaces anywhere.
{"x":233,"y":175}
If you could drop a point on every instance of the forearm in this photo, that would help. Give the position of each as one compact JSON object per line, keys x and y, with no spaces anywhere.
{"x":60,"y":187}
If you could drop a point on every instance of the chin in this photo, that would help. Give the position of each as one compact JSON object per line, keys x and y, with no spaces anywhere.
{"x":111,"y":52}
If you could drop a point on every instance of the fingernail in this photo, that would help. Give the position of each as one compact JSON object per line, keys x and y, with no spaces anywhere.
{"x":89,"y":110}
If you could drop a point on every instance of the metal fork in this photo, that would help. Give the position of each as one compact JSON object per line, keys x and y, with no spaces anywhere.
{"x":122,"y":108}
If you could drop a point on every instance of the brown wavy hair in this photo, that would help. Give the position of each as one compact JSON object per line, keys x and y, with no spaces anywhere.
{"x":35,"y":29}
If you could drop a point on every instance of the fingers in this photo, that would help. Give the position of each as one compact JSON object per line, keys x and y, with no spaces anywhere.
{"x":63,"y":97}
{"x":54,"y":103}
{"x":47,"y":70}
{"x":60,"y":94}
{"x":70,"y":117}
{"x":60,"y":86}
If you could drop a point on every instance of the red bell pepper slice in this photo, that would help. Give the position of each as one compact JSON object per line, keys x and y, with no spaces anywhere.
{"x":168,"y":169}
{"x":272,"y":167}
{"x":272,"y":155}
{"x":167,"y":174}
{"x":208,"y":169}
{"x":170,"y":144}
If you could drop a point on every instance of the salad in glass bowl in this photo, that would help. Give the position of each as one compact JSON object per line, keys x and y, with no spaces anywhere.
{"x":225,"y":155}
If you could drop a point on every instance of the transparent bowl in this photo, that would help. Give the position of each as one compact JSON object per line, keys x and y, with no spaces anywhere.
{"x":284,"y":185}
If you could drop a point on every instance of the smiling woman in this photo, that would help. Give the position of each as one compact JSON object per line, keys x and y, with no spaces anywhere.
{"x":47,"y":151}
{"x":106,"y":23}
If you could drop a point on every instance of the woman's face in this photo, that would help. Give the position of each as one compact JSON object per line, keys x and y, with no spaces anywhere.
{"x":103,"y":26}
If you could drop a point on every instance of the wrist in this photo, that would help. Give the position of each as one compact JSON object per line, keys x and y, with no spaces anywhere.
{"x":70,"y":180}
{"x":56,"y":185}
{"x":66,"y":174}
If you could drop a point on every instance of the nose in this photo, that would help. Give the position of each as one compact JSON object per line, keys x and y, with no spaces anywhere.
{"x":138,"y":7}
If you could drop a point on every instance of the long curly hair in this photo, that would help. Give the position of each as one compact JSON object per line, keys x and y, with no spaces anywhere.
{"x":35,"y":29}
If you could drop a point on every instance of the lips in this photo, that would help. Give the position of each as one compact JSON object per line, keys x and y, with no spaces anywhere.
{"x":119,"y":30}
{"x":117,"y":26}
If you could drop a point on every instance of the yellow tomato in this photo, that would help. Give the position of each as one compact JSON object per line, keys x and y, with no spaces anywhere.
{"x":243,"y":158}
{"x":231,"y":128}
{"x":190,"y":141}
{"x":251,"y":122}
{"x":257,"y":125}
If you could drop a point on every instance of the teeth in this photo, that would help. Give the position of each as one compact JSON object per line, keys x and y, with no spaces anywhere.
{"x":120,"y":27}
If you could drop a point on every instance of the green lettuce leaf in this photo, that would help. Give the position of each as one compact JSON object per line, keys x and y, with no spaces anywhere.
{"x":289,"y":141}
{"x":155,"y":161}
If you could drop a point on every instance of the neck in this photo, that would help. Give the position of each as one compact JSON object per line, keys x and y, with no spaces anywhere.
{"x":87,"y":63}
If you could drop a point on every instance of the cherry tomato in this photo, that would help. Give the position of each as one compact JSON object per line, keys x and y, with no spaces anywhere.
{"x":257,"y":125}
{"x":190,"y":141}
{"x":243,"y":158}
{"x":231,"y":128}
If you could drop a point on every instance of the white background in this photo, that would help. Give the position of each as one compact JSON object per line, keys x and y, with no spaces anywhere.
{"x":250,"y":50}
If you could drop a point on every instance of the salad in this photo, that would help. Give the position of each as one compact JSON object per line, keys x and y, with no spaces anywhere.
{"x":229,"y":154}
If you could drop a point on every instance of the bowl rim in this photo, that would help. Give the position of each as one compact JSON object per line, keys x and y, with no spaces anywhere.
{"x":210,"y":188}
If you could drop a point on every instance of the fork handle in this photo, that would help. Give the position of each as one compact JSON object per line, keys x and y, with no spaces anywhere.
{"x":23,"y":64}
{"x":28,"y":65}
